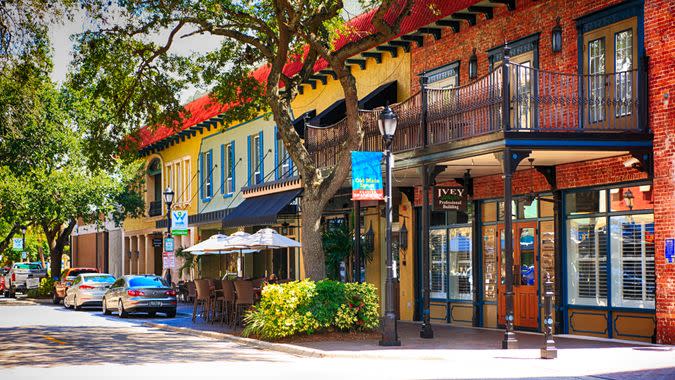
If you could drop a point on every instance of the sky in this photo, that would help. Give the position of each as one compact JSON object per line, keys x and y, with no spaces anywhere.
{"x":62,"y":44}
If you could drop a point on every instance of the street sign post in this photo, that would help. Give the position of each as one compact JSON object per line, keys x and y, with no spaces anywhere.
{"x":168,"y":260}
{"x":168,"y":244}
{"x":17,"y":244}
{"x":179,"y":222}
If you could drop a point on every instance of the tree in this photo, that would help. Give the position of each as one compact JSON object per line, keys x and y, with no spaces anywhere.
{"x":120,"y":66}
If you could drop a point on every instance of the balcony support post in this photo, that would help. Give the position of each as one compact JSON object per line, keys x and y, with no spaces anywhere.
{"x":424,"y":133}
{"x":506,"y":91}
{"x":357,"y":242}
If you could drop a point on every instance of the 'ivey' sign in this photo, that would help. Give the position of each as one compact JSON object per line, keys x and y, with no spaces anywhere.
{"x":449,"y":198}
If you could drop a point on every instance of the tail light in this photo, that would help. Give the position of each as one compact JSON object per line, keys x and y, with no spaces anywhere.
{"x":135,"y":293}
{"x":13,"y":277}
{"x":86,"y":287}
{"x":171,"y":293}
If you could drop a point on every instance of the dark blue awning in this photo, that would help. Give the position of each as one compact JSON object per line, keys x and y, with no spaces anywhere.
{"x":260,"y":211}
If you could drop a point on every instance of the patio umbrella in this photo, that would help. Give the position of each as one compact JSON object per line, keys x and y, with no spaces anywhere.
{"x":268,"y":238}
{"x":213,"y":241}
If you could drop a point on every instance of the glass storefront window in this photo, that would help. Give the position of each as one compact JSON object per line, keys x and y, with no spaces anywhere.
{"x":587,"y":261}
{"x":632,"y":252}
{"x":490,"y":262}
{"x":631,"y":198}
{"x":586,"y":202}
{"x":546,"y":205}
{"x":438,"y":241}
{"x":460,"y":280}
{"x":526,"y":208}
{"x":547,"y":250}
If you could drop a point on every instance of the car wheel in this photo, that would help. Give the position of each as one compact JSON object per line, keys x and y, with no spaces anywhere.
{"x":120,"y":310}
{"x":171,"y":314}
{"x":66,"y":304}
{"x":105,"y":308}
{"x":55,"y":299}
{"x":75,"y":307}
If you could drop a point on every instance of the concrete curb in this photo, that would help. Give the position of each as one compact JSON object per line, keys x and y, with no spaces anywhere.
{"x":395,"y":354}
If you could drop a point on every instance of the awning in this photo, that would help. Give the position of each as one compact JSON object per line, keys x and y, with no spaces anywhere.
{"x":299,"y":122}
{"x":380,"y":97}
{"x":331,"y":115}
{"x":260,"y":211}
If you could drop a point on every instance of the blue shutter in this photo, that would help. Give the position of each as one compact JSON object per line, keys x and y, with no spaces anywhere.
{"x":234,"y":168}
{"x":262,"y":157}
{"x":201,"y":176}
{"x":223,"y":172}
{"x":276,"y":154}
{"x":250,"y":169}
{"x":210,"y":173}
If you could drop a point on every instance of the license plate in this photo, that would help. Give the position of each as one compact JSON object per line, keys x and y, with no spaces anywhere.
{"x":32,"y":283}
{"x":155,"y":303}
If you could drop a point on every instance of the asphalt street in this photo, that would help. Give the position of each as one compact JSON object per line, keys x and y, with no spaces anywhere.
{"x":42,"y":341}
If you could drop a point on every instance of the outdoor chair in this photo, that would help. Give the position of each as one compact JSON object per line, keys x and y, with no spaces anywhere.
{"x":229,"y":299}
{"x":191,"y":291}
{"x":245,"y":298}
{"x":203,"y":297}
{"x":216,"y":297}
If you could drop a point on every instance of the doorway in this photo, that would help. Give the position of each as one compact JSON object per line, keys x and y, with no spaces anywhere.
{"x":525,"y":273}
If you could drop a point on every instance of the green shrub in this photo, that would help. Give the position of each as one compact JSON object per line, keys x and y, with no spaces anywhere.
{"x":43,"y":290}
{"x":305,"y":307}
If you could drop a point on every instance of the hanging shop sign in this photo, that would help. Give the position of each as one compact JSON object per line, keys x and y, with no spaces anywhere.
{"x":669,"y":252}
{"x":448,"y":198}
{"x":17,"y":244}
{"x":367,"y":176}
{"x":168,"y":244}
{"x":179,"y":222}
{"x":157,"y":242}
{"x":168,"y":260}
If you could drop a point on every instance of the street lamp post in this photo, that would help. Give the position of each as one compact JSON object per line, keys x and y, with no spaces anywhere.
{"x":168,"y":199}
{"x":23,"y":234}
{"x":387,"y":124}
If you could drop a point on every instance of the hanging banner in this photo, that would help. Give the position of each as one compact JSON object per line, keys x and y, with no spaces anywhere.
{"x":367,"y":176}
{"x":17,"y":244}
{"x":179,"y":222}
{"x":449,"y":198}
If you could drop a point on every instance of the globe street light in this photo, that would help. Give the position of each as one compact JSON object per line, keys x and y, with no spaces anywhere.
{"x":387,"y":124}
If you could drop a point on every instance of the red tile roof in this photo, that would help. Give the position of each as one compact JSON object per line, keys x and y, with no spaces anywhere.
{"x":423,"y":12}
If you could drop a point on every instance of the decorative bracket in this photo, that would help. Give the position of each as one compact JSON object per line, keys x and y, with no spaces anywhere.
{"x":646,"y":164}
{"x":511,"y":161}
{"x":549,"y":173}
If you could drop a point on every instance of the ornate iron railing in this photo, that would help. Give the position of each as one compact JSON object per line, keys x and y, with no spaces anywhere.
{"x":537,"y":100}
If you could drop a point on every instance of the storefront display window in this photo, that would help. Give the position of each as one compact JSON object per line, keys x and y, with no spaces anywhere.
{"x":490,"y":262}
{"x":460,"y":281}
{"x":631,"y":198}
{"x":438,"y":241}
{"x":586,"y":202}
{"x":632,"y":245}
{"x":587,"y":261}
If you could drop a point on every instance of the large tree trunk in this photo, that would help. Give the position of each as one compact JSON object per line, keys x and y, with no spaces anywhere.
{"x":57,"y":239}
{"x":312,"y":247}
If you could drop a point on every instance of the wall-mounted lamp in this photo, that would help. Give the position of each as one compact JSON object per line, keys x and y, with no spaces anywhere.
{"x":473,"y":65}
{"x":369,"y":239}
{"x":556,"y":36}
{"x":628,"y":199}
{"x":403,"y":242}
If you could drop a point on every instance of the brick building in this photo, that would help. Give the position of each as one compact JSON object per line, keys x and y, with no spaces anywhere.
{"x":569,"y":102}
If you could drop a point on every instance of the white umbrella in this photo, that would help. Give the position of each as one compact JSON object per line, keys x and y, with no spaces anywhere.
{"x":208,"y":243}
{"x":268,"y":238}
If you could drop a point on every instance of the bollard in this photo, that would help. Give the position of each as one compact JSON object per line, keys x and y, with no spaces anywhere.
{"x":548,"y":351}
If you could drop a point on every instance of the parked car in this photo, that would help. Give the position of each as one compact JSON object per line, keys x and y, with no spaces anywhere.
{"x":67,"y":277}
{"x":3,"y":273}
{"x":23,"y":276}
{"x":145,"y":293}
{"x":87,"y":289}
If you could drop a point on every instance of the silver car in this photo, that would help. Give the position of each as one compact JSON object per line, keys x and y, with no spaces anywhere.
{"x":145,"y":293}
{"x":87,"y":289}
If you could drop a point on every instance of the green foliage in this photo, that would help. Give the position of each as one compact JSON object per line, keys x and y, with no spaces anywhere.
{"x":44,"y":290}
{"x":305,"y":307}
{"x":188,"y":261}
{"x":337,"y":246}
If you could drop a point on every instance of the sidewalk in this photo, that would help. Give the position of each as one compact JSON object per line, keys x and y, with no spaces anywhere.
{"x":449,"y":342}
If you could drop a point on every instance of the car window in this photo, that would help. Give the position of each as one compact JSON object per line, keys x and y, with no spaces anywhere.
{"x":77,"y":272}
{"x":147,"y":282}
{"x":28,"y":266}
{"x":103,"y":278}
{"x":118,"y":283}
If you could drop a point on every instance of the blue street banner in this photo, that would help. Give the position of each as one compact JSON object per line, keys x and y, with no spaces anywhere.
{"x":367,"y":176}
{"x":179,"y":222}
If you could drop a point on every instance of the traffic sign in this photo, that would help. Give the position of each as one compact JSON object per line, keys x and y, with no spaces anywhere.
{"x":17,"y":244}
{"x":168,"y":244}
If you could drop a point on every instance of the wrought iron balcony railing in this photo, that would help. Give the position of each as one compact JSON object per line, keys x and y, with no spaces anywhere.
{"x":155,"y":208}
{"x":537,"y":101}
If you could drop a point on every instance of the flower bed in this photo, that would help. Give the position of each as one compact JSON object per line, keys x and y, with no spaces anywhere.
{"x":307,"y":307}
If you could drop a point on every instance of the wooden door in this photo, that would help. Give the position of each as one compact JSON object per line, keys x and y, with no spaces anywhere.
{"x":526,"y":269}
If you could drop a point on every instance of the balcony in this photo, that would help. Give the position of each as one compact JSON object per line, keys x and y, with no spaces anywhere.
{"x":538,"y":102}
{"x":155,"y":208}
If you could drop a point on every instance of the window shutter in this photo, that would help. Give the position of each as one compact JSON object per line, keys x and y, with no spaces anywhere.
{"x":201,"y":175}
{"x":222,"y":168}
{"x":234,"y":168}
{"x":210,"y":173}
{"x":276,"y":154}
{"x":248,"y":157}
{"x":262,"y":157}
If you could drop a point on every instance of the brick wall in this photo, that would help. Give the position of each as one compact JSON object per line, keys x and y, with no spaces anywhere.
{"x":660,"y":47}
